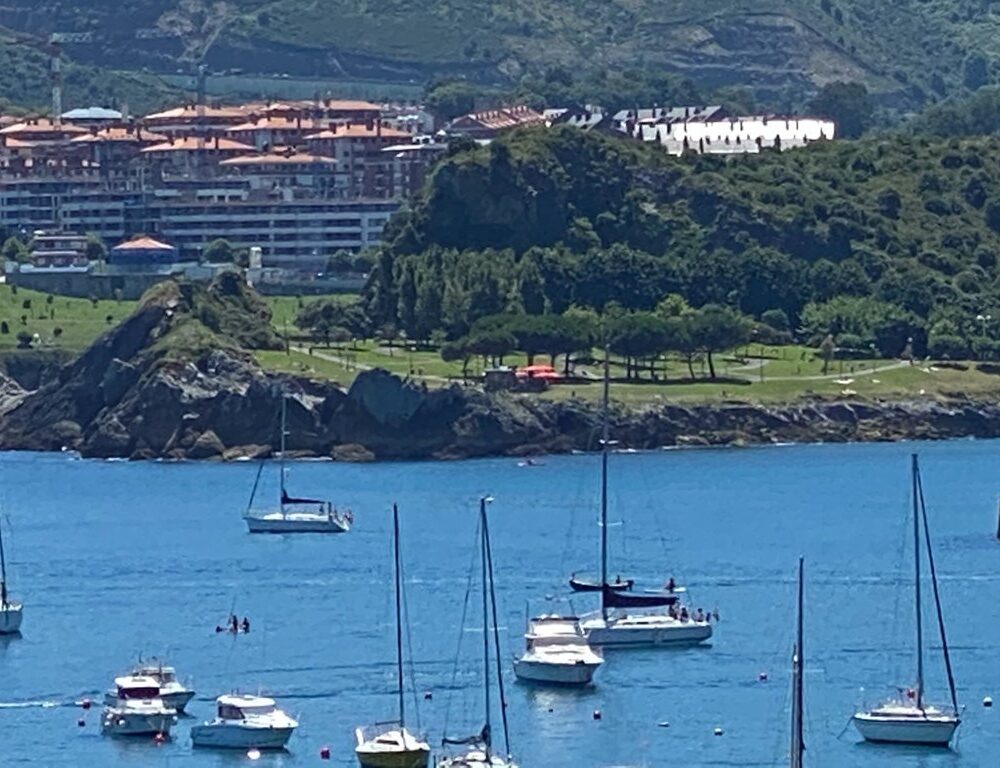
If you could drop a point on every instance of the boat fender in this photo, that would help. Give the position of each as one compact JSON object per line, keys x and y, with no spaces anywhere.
{"x":324,"y":753}
{"x":253,"y":754}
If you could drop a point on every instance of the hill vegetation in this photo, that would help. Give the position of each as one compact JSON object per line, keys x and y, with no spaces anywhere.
{"x":890,"y":243}
{"x":907,"y":51}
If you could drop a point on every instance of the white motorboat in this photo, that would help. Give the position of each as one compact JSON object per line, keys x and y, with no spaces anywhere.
{"x":908,"y":719}
{"x":391,"y":745}
{"x":137,"y":710}
{"x":294,"y":515}
{"x":11,"y":612}
{"x":556,"y":651}
{"x":245,"y":722}
{"x":174,"y":694}
{"x":628,"y":618}
{"x":478,"y":750}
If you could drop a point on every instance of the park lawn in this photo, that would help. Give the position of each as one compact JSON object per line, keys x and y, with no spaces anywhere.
{"x":80,"y":320}
{"x":302,"y":364}
{"x":903,"y":382}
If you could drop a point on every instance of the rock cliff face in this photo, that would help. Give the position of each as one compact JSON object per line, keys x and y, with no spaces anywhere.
{"x":169,"y":382}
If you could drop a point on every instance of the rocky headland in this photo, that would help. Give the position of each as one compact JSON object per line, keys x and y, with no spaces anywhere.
{"x":178,"y":380}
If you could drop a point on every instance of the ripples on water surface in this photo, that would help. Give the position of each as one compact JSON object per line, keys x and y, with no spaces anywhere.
{"x":113,"y":559}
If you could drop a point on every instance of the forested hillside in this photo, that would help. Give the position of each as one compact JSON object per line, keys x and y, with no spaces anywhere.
{"x":906,"y":51}
{"x":846,"y":238}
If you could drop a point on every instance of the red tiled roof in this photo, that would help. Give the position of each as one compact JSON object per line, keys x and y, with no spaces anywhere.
{"x":42,"y":125}
{"x":191,"y":112}
{"x":143,"y":243}
{"x":195,"y":144}
{"x":121,"y":134}
{"x":359,"y":131}
{"x":278,"y":158}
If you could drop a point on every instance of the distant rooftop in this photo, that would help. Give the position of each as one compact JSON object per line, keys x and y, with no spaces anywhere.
{"x":92,"y":113}
{"x":143,"y":243}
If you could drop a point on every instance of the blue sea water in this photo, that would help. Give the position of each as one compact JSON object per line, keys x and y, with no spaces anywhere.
{"x":114,"y":559}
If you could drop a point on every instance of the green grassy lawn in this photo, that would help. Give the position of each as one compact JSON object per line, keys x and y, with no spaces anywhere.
{"x":79,"y":321}
{"x":767,"y":374}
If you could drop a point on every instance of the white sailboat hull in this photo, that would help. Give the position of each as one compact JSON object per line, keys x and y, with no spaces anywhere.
{"x":934,"y":730}
{"x":10,"y":618}
{"x":475,"y":759}
{"x":534,"y":671}
{"x":394,"y":747}
{"x":233,"y":736}
{"x":645,"y":631}
{"x":297,"y":522}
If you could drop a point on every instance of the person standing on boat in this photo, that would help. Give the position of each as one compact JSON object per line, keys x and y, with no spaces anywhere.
{"x":671,"y":585}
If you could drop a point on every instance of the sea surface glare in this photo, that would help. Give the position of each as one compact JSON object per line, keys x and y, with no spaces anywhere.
{"x":114,"y":559}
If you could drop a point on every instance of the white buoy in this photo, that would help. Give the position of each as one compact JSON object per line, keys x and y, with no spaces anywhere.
{"x":718,"y":731}
{"x":988,"y":702}
{"x":254,"y":754}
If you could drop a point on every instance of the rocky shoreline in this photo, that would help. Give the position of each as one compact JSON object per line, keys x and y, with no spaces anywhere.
{"x":163,"y":385}
{"x":227,"y":409}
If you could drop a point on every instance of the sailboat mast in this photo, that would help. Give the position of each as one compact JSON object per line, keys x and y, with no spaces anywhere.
{"x":604,"y":483}
{"x":937,"y":599}
{"x":798,"y":663}
{"x":486,"y":621}
{"x":399,"y":616}
{"x":3,"y":570}
{"x":916,"y":574}
{"x":496,"y":638}
{"x":281,"y":459}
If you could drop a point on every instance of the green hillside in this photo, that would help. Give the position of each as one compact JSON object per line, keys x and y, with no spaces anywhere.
{"x":895,"y":236}
{"x":907,"y":50}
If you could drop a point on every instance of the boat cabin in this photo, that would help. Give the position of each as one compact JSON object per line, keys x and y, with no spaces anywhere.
{"x":244,"y":707}
{"x":162,"y":674}
{"x":137,"y":688}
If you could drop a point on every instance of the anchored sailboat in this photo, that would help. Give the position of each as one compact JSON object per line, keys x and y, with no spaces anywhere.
{"x":294,"y":515}
{"x":11,"y":613}
{"x":614,"y":625}
{"x":391,"y":745}
{"x":479,"y":752}
{"x":909,"y":719}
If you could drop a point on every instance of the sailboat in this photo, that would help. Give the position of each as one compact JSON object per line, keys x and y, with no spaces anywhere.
{"x":11,"y":613}
{"x":479,"y":752}
{"x":294,"y":515}
{"x":798,"y":748}
{"x":391,"y":745}
{"x":909,"y":719}
{"x":647,"y":623}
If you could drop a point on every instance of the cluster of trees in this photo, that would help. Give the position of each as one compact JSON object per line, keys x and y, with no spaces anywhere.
{"x":904,"y":230}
